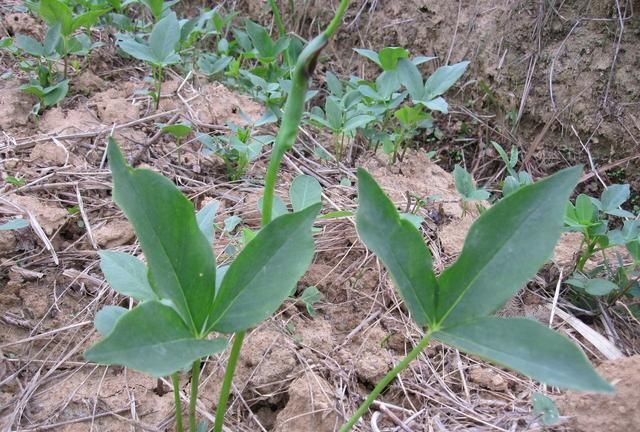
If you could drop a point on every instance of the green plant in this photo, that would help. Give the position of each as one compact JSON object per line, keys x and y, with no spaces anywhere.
{"x":57,"y":13}
{"x":159,"y":51}
{"x":178,"y":131}
{"x":514,"y":180}
{"x":466,"y":187}
{"x":590,"y":216}
{"x":180,"y":299}
{"x":455,"y":307}
{"x":342,"y":115}
{"x":238,"y":149}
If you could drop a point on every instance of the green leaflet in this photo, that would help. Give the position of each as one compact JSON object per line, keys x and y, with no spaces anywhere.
{"x":152,"y":338}
{"x":107,"y":317}
{"x":528,"y":347}
{"x":304,"y":192}
{"x":505,"y":247}
{"x":160,"y":50}
{"x":264,"y":273}
{"x":400,"y":247}
{"x":180,"y":259}
{"x":442,"y":79}
{"x":126,"y":274}
{"x":205,"y":218}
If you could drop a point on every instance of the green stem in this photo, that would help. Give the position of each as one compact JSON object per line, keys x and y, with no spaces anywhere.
{"x":586,"y":255}
{"x":385,"y":381}
{"x":294,"y":107}
{"x":226,"y":383}
{"x":195,"y":381}
{"x":175,"y":380}
{"x":282,"y":32}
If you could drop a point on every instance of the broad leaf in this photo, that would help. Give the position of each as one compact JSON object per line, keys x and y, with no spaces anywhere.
{"x":107,"y":317}
{"x":527,"y":347}
{"x":181,"y":262}
{"x":399,"y":246}
{"x":600,"y":287}
{"x":304,"y":192}
{"x":136,"y":49}
{"x":358,"y":121}
{"x":442,"y":79}
{"x":260,"y":38}
{"x":436,"y":104}
{"x":614,"y":196}
{"x":411,"y":78}
{"x":163,"y":40}
{"x":126,"y":274}
{"x":505,"y":247}
{"x":29,"y":45}
{"x":152,"y":338}
{"x":55,"y":93}
{"x":264,"y":273}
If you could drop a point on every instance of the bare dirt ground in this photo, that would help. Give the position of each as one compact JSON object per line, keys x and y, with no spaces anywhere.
{"x":568,"y":71}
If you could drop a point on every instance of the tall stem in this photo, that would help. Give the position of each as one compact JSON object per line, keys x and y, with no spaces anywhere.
{"x":385,"y":381}
{"x":195,"y":381}
{"x":226,"y":383}
{"x":294,"y":107}
{"x":175,"y":380}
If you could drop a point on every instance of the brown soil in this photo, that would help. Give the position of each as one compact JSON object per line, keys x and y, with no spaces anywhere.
{"x":618,"y":413}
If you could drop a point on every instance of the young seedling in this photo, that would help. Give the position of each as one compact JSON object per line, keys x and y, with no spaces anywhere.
{"x":505,"y":247}
{"x":590,"y":216}
{"x":159,"y":51}
{"x":514,"y":180}
{"x":60,"y":13}
{"x":178,"y":131}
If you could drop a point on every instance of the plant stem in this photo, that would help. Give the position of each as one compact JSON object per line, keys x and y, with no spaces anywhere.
{"x":228,"y":378}
{"x":175,"y":380}
{"x":195,"y":381}
{"x":294,"y":107}
{"x":586,"y":255}
{"x":385,"y":381}
{"x":277,"y":17}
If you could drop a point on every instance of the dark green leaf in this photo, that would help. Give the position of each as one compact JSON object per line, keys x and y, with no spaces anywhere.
{"x":29,"y":45}
{"x":164,"y":39}
{"x":399,"y":246}
{"x":54,"y":94}
{"x":180,"y":258}
{"x":126,"y":274}
{"x":505,"y":247}
{"x":264,"y":273}
{"x":152,"y":338}
{"x":527,"y":347}
{"x":600,"y":287}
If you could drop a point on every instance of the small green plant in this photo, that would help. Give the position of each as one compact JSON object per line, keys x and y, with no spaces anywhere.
{"x":178,"y":131}
{"x":455,"y":308}
{"x":515,"y":180}
{"x":57,"y":13}
{"x":159,"y":50}
{"x":590,"y":216}
{"x":466,"y":187}
{"x":238,"y":149}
